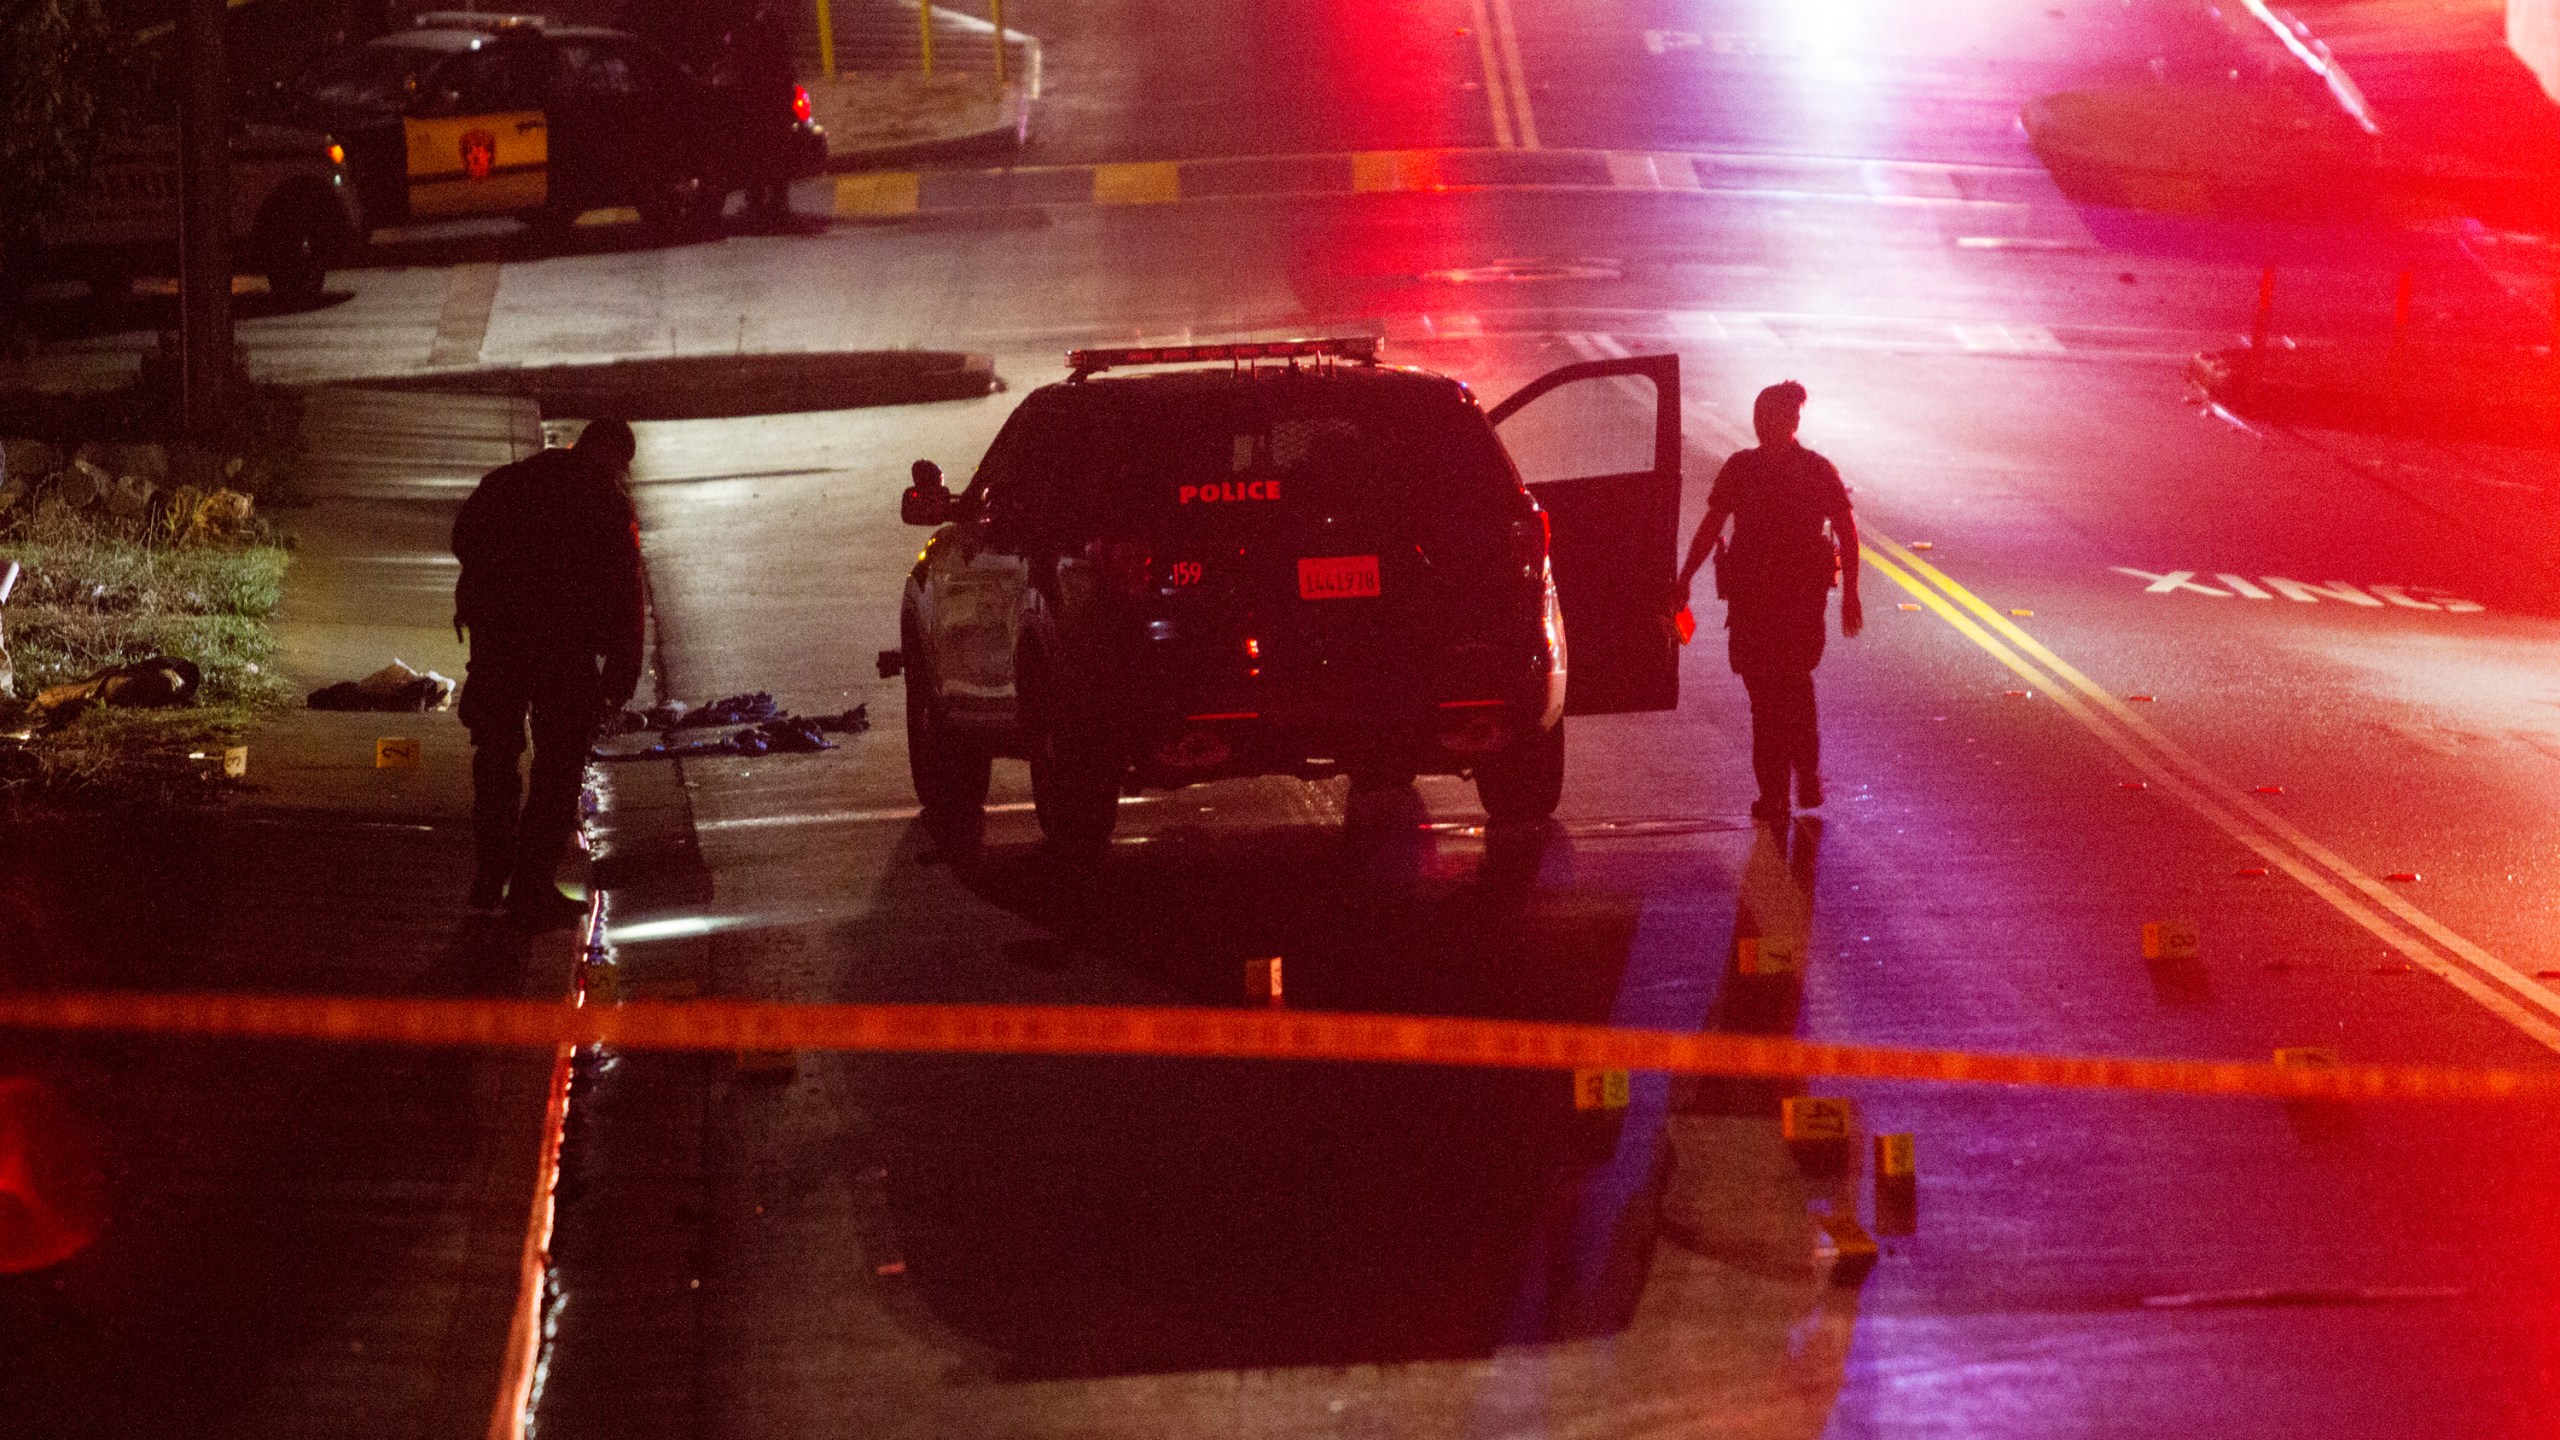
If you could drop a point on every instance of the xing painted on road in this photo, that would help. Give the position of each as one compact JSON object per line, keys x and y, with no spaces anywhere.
{"x":2224,"y":585}
{"x":2426,"y":942}
{"x":1169,"y":1032}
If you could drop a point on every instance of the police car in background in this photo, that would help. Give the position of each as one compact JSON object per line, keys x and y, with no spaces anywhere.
{"x":471,"y":114}
{"x":1289,"y":559}
{"x":293,"y":213}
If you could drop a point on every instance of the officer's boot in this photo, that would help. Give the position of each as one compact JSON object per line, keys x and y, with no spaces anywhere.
{"x":496,"y":793}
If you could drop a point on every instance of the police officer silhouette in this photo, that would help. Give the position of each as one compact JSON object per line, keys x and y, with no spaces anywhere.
{"x":551,"y":597}
{"x":1775,"y":577}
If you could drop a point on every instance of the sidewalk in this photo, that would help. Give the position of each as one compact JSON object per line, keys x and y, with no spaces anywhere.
{"x":303,"y":1240}
{"x":2362,"y":111}
{"x":878,"y":105}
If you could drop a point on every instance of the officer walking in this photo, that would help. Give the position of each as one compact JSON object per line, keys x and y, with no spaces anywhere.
{"x":550,"y":590}
{"x":1775,"y":577}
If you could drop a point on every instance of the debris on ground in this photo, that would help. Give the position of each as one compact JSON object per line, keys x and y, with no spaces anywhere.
{"x":850,"y":722}
{"x":160,"y":682}
{"x":732,"y":710}
{"x":393,"y":687}
{"x":772,"y":733}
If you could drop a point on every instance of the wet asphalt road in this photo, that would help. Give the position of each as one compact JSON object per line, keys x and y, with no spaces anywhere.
{"x":891,"y":1246}
{"x":888,"y":1246}
{"x":988,"y":1247}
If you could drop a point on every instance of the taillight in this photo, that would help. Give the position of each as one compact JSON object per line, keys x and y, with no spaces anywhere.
{"x":1530,"y":540}
{"x":337,"y":153}
{"x":800,"y":102}
{"x":1128,"y":568}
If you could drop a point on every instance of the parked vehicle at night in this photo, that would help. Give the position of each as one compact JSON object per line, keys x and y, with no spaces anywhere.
{"x":469,"y":115}
{"x":293,"y":213}
{"x":1288,"y":559}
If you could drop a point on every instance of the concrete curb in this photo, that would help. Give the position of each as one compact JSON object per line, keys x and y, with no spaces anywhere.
{"x":700,"y":387}
{"x":887,"y":194}
{"x":2495,"y":394}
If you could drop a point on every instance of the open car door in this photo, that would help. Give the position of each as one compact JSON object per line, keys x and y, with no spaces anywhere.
{"x":1610,"y":485}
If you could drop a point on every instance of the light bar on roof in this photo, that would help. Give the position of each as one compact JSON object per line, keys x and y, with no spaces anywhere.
{"x":1363,"y":348}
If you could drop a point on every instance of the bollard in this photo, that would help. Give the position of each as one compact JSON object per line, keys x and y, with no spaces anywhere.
{"x":826,"y":40}
{"x":996,"y":17}
{"x":924,"y":29}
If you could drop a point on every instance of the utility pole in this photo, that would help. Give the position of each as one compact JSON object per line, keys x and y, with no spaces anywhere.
{"x":204,"y":222}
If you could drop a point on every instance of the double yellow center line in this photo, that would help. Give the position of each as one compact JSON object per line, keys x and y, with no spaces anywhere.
{"x":1506,"y":85}
{"x":2428,"y":943}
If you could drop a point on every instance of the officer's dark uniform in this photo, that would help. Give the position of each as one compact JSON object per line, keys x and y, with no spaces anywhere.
{"x":1777,"y":576}
{"x":550,"y":591}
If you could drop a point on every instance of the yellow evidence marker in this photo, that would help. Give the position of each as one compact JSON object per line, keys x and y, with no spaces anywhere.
{"x":2170,"y":940}
{"x":1765,"y":955}
{"x":394,"y":753}
{"x":1262,"y":979}
{"x":1813,"y":1119}
{"x":1599,"y":1089}
{"x":1847,"y":1245}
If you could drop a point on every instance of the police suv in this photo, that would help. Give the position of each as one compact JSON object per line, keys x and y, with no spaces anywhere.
{"x":1289,"y":559}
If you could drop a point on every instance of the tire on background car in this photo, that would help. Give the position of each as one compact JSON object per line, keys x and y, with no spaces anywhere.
{"x":295,"y":242}
{"x":1075,"y":771}
{"x":682,"y":208}
{"x":951,"y":774}
{"x":1525,"y":781}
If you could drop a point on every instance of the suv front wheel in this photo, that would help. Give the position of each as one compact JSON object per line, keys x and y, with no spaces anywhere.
{"x":950,"y":772}
{"x":1524,"y":781}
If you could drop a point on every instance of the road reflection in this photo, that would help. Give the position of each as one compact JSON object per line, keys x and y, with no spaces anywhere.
{"x":1091,"y":1218}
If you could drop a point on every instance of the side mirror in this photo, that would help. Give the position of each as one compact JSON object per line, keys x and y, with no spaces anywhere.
{"x":928,"y":500}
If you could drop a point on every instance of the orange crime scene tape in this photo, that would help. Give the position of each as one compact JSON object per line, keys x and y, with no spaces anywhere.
{"x":1203,"y":1034}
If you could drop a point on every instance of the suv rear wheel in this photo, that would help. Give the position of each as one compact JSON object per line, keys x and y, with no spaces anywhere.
{"x":1524,"y":781}
{"x":1075,"y":772}
{"x":950,"y":772}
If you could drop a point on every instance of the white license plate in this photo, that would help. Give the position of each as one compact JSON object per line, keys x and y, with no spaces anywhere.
{"x":1338,"y":577}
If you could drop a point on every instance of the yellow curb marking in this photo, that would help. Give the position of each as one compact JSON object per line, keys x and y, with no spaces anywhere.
{"x":1152,"y":182}
{"x":1376,"y":170}
{"x":887,"y":192}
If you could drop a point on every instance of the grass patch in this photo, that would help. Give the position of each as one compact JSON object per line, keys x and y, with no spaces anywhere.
{"x":91,"y":599}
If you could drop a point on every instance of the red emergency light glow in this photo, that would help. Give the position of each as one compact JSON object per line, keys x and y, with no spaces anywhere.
{"x":1363,"y":348}
{"x":800,"y":110}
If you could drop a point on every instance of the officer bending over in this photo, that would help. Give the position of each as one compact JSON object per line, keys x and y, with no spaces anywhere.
{"x":1775,"y":578}
{"x":550,"y":590}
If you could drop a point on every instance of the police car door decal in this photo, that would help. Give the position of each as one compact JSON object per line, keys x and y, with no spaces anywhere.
{"x":1613,"y":510}
{"x":493,"y":164}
